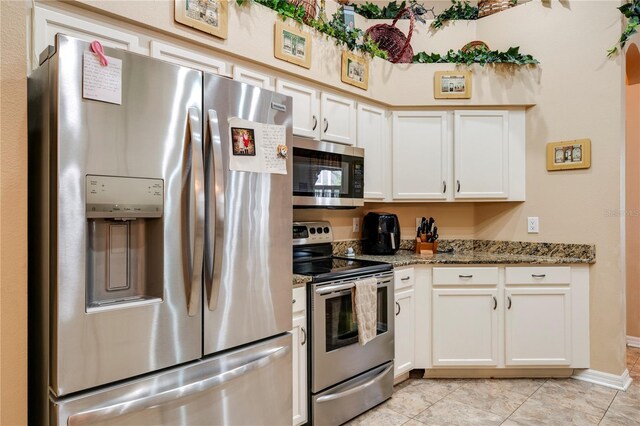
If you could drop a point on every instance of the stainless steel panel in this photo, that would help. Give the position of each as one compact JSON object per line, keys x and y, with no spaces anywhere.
{"x":229,"y":389}
{"x":147,"y":136}
{"x":347,"y":400}
{"x":336,"y":148}
{"x":302,"y":201}
{"x":249,"y":244}
{"x":328,"y":368}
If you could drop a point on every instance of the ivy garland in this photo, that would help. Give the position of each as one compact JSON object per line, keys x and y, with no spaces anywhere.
{"x":479,"y":55}
{"x":353,"y":39}
{"x":631,"y":11}
{"x":373,"y":11}
{"x":457,"y":10}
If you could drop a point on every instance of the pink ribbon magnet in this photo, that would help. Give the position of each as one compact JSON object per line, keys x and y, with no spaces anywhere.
{"x":97,"y":48}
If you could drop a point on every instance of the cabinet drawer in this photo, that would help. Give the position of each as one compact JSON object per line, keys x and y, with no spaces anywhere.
{"x":403,"y":278}
{"x":538,"y":275}
{"x":299,"y":299}
{"x":465,"y":276}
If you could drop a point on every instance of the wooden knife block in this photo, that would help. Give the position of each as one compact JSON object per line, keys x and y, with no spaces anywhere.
{"x":426,"y":248}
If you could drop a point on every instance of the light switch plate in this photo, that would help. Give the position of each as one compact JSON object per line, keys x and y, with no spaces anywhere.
{"x":356,"y":224}
{"x":533,"y":225}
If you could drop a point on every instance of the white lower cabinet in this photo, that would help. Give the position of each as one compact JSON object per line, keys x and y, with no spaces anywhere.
{"x":465,"y":327}
{"x":299,"y":333}
{"x":405,"y":321}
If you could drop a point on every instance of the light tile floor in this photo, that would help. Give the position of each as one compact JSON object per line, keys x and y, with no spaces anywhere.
{"x":417,"y":402}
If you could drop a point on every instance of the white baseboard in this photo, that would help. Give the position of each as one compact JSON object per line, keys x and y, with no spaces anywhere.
{"x":613,"y":381}
{"x":633,"y":341}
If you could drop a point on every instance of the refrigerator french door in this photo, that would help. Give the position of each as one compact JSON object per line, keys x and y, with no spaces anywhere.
{"x":248,"y":248}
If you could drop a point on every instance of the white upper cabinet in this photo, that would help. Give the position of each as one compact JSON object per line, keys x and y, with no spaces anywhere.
{"x":252,"y":77}
{"x":306,"y":108}
{"x":420,"y":155}
{"x":338,"y":121}
{"x":373,"y":136}
{"x":481,"y":152}
{"x":47,"y":23}
{"x":188,"y":58}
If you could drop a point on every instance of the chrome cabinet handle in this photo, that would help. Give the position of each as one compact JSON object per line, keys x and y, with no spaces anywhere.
{"x":196,"y":224}
{"x":144,"y":402}
{"x":465,"y":276}
{"x":398,"y":305}
{"x":405,"y":278}
{"x":294,"y":302}
{"x":538,"y":275}
{"x":326,"y":125}
{"x":509,"y":299}
{"x":444,"y":186}
{"x":315,"y":122}
{"x":215,"y":213}
{"x":458,"y":182}
{"x":304,"y":334}
{"x":495,"y":303}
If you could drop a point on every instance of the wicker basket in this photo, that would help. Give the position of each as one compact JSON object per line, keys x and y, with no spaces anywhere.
{"x":309,"y":8}
{"x":489,"y":7}
{"x":392,"y":40}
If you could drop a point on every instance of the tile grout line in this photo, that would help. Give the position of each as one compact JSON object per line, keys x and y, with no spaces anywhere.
{"x":609,"y":406}
{"x":523,"y":402}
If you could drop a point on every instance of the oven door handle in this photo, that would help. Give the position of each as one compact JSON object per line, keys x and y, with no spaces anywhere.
{"x":359,"y":388}
{"x":339,"y":287}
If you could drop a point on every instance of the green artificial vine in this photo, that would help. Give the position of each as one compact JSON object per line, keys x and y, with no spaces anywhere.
{"x":480,"y":56}
{"x":631,"y":11}
{"x":373,"y":11}
{"x":353,"y":39}
{"x":458,"y":10}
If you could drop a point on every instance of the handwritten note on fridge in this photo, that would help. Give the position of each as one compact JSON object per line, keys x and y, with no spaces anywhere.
{"x":254,"y":147}
{"x":102,"y":83}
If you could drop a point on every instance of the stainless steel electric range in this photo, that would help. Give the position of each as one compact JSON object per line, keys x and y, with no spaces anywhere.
{"x":345,"y":378}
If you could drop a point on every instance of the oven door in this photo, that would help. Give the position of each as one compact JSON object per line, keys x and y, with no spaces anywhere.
{"x":336,"y":354}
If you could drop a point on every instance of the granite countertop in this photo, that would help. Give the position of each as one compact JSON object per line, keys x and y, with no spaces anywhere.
{"x":300,"y":280}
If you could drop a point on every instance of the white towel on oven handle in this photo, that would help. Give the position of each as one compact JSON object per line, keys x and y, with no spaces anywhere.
{"x":365,"y":307}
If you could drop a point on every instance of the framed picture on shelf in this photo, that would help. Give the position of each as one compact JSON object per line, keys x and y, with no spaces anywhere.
{"x":209,"y":16}
{"x":355,"y":70}
{"x":452,"y":85}
{"x":568,"y":155}
{"x":292,"y":45}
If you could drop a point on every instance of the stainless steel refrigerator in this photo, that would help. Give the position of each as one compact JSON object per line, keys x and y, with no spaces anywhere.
{"x":159,"y":278}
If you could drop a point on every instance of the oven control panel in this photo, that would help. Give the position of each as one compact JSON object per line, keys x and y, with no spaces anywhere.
{"x":312,"y":233}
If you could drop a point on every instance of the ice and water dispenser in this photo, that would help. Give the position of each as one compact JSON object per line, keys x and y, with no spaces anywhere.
{"x":125,"y":241}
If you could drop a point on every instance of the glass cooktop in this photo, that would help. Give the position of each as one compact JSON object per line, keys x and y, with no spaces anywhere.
{"x":338,"y":268}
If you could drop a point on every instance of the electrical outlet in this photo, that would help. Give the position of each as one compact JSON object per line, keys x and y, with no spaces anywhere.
{"x":356,"y":224}
{"x":533,"y":225}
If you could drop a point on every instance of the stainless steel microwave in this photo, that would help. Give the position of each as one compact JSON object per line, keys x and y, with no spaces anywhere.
{"x":327,"y":174}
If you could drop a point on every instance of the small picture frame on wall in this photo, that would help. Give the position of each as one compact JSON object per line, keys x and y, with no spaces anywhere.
{"x":292,"y":45}
{"x":209,"y":16}
{"x":567,"y":155}
{"x":355,"y":70}
{"x":452,"y":85}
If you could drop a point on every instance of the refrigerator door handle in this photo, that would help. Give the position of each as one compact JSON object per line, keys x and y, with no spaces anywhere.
{"x":196,"y":243}
{"x":216,"y":212}
{"x":170,"y":395}
{"x":359,"y":388}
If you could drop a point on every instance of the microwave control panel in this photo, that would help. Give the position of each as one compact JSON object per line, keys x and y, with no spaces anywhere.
{"x":123,"y":197}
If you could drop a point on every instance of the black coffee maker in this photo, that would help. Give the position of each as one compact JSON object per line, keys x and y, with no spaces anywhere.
{"x":380,"y":233}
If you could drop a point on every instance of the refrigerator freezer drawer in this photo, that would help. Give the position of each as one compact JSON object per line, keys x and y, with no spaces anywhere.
{"x":248,"y":386}
{"x":353,"y":397}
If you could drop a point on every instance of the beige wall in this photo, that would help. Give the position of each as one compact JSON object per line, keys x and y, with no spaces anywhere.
{"x":13,"y":214}
{"x":633,"y":191}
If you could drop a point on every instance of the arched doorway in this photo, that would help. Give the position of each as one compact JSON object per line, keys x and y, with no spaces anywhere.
{"x":632,"y":194}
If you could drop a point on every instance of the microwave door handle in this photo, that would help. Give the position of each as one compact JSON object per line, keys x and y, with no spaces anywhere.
{"x":195,"y":225}
{"x":216,"y":212}
{"x":180,"y":392}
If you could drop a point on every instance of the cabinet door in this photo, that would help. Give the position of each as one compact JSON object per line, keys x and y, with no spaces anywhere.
{"x":251,"y":77}
{"x":465,"y":327}
{"x":404,"y":332}
{"x":187,"y":58}
{"x":306,"y":108}
{"x":338,"y":122}
{"x":481,"y":152}
{"x":538,"y":326}
{"x":373,"y":136}
{"x":299,"y":333}
{"x":47,"y":23}
{"x":420,"y":155}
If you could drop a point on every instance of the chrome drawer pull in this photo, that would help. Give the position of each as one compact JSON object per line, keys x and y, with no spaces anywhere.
{"x":538,"y":275}
{"x":294,"y":302}
{"x":398,"y":305}
{"x":465,"y":276}
{"x":405,"y":278}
